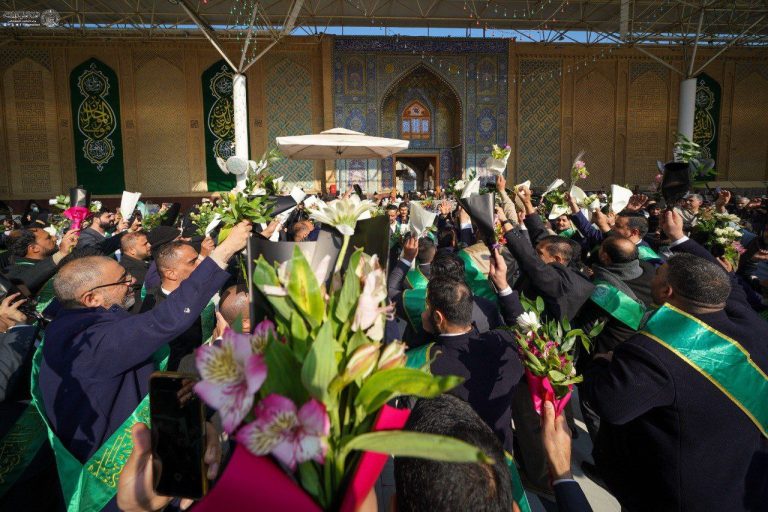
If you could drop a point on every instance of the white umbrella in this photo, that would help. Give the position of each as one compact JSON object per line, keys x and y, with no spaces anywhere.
{"x":339,"y":143}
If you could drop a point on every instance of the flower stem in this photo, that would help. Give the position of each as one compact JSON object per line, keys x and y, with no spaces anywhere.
{"x":340,"y":259}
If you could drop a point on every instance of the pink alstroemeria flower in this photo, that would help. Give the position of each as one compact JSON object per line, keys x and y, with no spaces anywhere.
{"x":231,"y":374}
{"x":293,"y":437}
{"x":262,"y":333}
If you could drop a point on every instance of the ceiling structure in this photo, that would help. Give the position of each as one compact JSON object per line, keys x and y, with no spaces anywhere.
{"x":629,"y":22}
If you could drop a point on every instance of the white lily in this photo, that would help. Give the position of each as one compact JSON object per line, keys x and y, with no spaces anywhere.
{"x":529,"y":322}
{"x":343,"y":214}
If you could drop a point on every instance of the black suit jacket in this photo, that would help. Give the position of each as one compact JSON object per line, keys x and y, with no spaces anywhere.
{"x":491,"y":369}
{"x":33,"y":273}
{"x":669,"y":439}
{"x":570,"y":497}
{"x":563,"y":289}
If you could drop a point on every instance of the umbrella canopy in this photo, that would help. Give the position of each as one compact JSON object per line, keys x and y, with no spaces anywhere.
{"x":339,"y":143}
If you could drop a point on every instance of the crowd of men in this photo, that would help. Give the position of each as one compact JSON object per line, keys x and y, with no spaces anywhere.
{"x":666,"y":436}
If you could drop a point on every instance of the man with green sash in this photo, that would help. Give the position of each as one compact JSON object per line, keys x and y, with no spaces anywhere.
{"x":410,"y":302}
{"x":36,"y":257}
{"x":93,"y":369}
{"x":683,"y":404}
{"x":175,"y":263}
{"x":621,"y":298}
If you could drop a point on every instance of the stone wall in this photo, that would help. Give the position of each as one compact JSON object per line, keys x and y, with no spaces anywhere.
{"x":548,"y":103}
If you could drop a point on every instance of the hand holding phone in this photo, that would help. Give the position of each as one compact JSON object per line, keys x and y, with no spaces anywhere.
{"x":178,"y":436}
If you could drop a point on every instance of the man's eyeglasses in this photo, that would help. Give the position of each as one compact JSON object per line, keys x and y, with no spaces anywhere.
{"x":126,"y":279}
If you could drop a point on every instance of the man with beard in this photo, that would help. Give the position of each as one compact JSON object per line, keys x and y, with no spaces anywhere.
{"x":135,"y":250}
{"x":103,"y":222}
{"x":97,"y":358}
{"x":36,"y":257}
{"x":684,"y":419}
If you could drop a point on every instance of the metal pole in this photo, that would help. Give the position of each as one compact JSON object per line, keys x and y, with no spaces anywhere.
{"x":686,"y":107}
{"x":204,"y":29}
{"x":247,"y":42}
{"x":240,"y":105}
{"x":696,"y":44}
{"x":731,"y":43}
{"x":657,"y":59}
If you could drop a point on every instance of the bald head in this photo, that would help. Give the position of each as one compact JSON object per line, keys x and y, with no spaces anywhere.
{"x":75,"y":278}
{"x":617,"y":249}
{"x":234,"y":305}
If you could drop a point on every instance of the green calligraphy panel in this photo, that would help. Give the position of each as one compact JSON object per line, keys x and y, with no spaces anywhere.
{"x":707,"y":116}
{"x":219,"y":119}
{"x":98,"y":142}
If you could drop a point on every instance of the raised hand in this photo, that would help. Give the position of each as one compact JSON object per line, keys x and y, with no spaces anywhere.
{"x":501,"y":182}
{"x":672,"y":225}
{"x":636,"y":202}
{"x":410,"y":249}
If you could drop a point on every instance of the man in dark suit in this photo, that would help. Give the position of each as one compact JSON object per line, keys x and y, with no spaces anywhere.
{"x":102,"y":222}
{"x":97,"y":358}
{"x":670,"y":438}
{"x":488,"y":362}
{"x":36,"y":257}
{"x":135,"y":251}
{"x":485,"y":313}
{"x":176,"y":261}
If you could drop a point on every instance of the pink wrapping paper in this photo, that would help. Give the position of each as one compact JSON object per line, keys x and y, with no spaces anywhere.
{"x":77,"y":214}
{"x":371,"y":464}
{"x":255,"y":483}
{"x":258,"y":484}
{"x":541,"y":391}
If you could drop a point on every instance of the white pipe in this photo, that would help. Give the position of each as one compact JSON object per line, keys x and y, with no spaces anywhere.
{"x":686,"y":107}
{"x":241,"y":122}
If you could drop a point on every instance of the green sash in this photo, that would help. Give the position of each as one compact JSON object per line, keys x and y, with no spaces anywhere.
{"x":418,"y":357}
{"x":415,"y":278}
{"x":518,"y":491}
{"x":208,"y":320}
{"x":645,"y":253}
{"x":722,"y":360}
{"x":567,"y":233}
{"x":143,"y":293}
{"x":414,"y":303}
{"x":476,"y":280}
{"x":46,"y":295}
{"x":19,"y":446}
{"x":618,"y":304}
{"x":89,"y":487}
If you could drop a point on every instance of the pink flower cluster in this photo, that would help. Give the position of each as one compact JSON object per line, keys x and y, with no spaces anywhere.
{"x":232,"y":373}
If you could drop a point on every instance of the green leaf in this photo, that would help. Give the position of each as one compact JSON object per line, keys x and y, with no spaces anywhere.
{"x":224,"y":232}
{"x":304,"y":290}
{"x":385,"y":385}
{"x":264,"y":274}
{"x":555,"y":376}
{"x":281,"y":377}
{"x":299,"y":335}
{"x":310,"y":479}
{"x":597,"y":329}
{"x":417,"y":444}
{"x":539,"y":304}
{"x":237,"y":325}
{"x":320,"y":364}
{"x":350,"y":292}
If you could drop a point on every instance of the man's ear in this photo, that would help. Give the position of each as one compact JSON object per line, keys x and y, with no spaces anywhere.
{"x":90,"y":300}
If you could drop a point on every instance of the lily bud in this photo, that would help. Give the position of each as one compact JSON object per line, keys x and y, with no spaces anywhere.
{"x":362,"y":362}
{"x":393,"y":356}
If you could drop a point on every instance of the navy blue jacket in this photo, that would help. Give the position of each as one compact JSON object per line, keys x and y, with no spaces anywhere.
{"x":491,"y":369}
{"x":669,"y":439}
{"x":96,"y":362}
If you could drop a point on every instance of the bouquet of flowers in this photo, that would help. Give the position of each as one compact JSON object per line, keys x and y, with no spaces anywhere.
{"x":309,"y":386}
{"x":546,"y":348}
{"x":260,"y":181}
{"x":720,"y":233}
{"x":206,"y":213}
{"x":397,"y":238}
{"x":498,"y":160}
{"x":237,"y":206}
{"x":686,"y":150}
{"x":579,"y":169}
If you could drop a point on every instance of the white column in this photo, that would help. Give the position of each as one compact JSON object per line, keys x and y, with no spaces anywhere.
{"x":686,"y":107}
{"x":241,"y":122}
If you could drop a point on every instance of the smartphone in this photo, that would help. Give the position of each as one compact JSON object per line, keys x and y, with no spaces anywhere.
{"x":178,"y":436}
